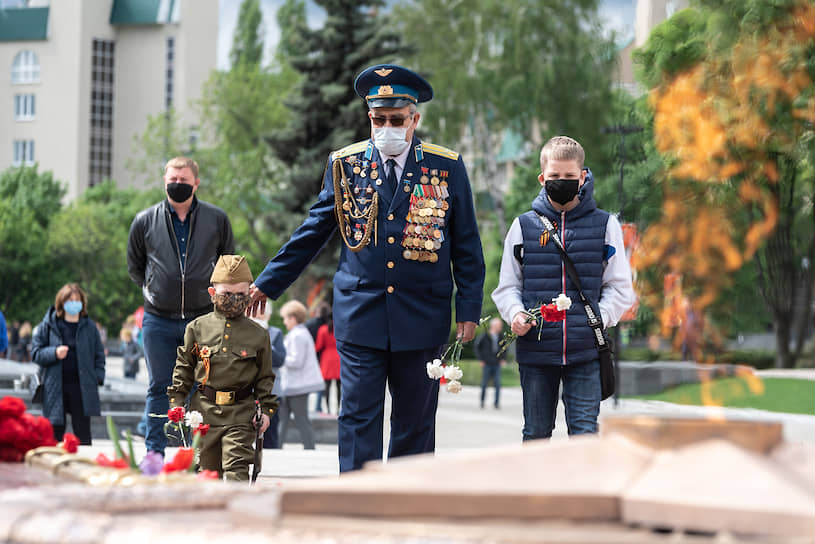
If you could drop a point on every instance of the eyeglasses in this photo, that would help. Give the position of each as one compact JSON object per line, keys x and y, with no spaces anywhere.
{"x":396,"y":121}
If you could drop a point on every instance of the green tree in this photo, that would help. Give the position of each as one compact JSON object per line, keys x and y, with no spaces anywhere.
{"x":326,"y":113}
{"x":534,"y":68}
{"x":247,"y":44}
{"x":88,"y":241}
{"x":29,"y":200}
{"x":732,"y":92}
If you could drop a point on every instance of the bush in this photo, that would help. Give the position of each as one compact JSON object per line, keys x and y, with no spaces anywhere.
{"x":759,"y":359}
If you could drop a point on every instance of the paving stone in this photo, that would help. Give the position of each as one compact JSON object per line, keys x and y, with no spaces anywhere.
{"x":676,"y":432}
{"x":577,"y":479}
{"x":715,"y":486}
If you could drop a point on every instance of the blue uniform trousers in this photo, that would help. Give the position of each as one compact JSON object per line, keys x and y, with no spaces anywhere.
{"x":363,"y":373}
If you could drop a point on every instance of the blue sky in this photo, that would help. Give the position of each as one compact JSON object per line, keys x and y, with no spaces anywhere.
{"x":618,"y":15}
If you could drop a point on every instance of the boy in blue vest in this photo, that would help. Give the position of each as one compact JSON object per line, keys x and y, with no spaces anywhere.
{"x":532,"y":273}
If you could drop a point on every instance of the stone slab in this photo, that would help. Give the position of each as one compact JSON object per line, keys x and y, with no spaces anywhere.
{"x":716,"y":485}
{"x":579,"y":479}
{"x":676,"y":432}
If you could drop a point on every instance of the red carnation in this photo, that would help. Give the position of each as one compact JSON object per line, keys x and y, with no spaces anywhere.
{"x":208,"y":475}
{"x":104,"y":461}
{"x":11,"y":431}
{"x":176,"y":414}
{"x":549,"y":312}
{"x":182,"y":460}
{"x":70,"y":443}
{"x":11,"y":407}
{"x":10,"y":454}
{"x":202,"y":429}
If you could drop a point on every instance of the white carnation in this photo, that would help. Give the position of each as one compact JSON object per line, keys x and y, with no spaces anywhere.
{"x":434,"y":369}
{"x":193,"y":419}
{"x":453,"y":373}
{"x":454,"y":386}
{"x":562,"y":302}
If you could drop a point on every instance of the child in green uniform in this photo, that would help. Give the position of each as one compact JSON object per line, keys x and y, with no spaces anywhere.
{"x":229,"y":356}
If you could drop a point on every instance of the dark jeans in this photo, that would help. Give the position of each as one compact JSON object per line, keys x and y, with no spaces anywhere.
{"x":162,"y":337}
{"x":271,"y":439}
{"x":364,"y":372}
{"x":581,"y":397}
{"x":491,"y":372}
{"x":80,"y":423}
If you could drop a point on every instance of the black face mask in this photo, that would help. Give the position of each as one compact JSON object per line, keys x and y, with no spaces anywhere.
{"x":562,"y":191}
{"x":179,"y":192}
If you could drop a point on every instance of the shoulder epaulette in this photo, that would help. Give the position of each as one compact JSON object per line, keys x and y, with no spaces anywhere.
{"x":439,"y":150}
{"x":350,"y":150}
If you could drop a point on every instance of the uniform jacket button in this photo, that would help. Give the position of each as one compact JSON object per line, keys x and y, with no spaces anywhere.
{"x":391,"y":264}
{"x":390,"y":288}
{"x":391,"y":239}
{"x":390,"y":217}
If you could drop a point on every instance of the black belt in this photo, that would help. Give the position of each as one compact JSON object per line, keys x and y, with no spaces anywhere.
{"x":225,"y":398}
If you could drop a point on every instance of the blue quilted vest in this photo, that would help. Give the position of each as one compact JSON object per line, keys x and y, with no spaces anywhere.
{"x":583,"y":230}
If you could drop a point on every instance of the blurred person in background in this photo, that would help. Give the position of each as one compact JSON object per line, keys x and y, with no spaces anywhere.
{"x":69,"y":349}
{"x":3,"y":335}
{"x":487,"y":347}
{"x":24,"y":343}
{"x":299,"y":375}
{"x":271,"y":437}
{"x":326,"y":347}
{"x":131,"y":353}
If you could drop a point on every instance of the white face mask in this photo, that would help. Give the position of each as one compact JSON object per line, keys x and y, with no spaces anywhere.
{"x":390,"y":141}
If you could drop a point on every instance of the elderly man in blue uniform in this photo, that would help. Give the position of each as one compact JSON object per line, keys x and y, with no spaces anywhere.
{"x":404,"y":210}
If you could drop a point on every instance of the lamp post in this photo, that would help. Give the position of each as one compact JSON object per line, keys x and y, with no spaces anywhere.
{"x":622,"y":130}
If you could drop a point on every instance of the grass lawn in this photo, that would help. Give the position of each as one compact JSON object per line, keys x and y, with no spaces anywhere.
{"x":772,"y":394}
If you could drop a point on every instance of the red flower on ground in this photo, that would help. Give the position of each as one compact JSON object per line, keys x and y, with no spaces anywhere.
{"x":104,"y":461}
{"x":208,"y":475}
{"x":70,"y":443}
{"x":202,"y":429}
{"x":182,"y":460}
{"x":10,"y":454}
{"x":11,"y":407}
{"x":549,"y":312}
{"x":176,"y":414}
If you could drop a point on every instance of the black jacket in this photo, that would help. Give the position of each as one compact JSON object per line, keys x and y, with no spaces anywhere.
{"x":154,"y":263}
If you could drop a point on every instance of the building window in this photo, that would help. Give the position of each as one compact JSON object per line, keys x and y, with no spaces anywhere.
{"x":23,"y":153}
{"x":25,"y":68}
{"x":24,"y":107}
{"x":101,"y":134}
{"x":670,"y":9}
{"x":169,"y":74}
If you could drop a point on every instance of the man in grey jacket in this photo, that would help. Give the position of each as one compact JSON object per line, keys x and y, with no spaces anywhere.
{"x":171,"y":252}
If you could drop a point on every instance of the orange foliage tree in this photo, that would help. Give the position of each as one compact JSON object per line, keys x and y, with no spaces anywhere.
{"x":733,"y":96}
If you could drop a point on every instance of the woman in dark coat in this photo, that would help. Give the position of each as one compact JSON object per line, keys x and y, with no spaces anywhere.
{"x":70,"y":353}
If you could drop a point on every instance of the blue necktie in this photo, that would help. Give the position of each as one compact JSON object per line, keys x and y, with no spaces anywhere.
{"x":390,"y":179}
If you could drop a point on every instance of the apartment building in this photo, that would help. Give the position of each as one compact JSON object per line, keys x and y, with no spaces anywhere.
{"x":79,"y":78}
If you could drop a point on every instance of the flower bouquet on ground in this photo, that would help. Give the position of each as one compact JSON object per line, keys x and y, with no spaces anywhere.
{"x":555,"y":311}
{"x":20,"y":431}
{"x":447,"y":366}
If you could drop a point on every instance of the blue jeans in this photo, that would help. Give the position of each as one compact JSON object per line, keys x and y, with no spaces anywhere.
{"x":491,"y":372}
{"x":162,"y":337}
{"x":581,"y":397}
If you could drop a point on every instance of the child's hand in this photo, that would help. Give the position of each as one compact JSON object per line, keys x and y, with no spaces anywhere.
{"x":264,"y":423}
{"x":521,"y":324}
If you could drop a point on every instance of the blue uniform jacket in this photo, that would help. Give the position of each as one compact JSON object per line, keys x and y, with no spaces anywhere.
{"x":382,"y":299}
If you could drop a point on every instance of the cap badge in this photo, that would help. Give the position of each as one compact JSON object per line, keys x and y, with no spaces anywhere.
{"x":385,"y":90}
{"x":383,"y":71}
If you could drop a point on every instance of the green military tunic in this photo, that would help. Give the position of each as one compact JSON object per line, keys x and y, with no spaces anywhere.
{"x":238,"y":354}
